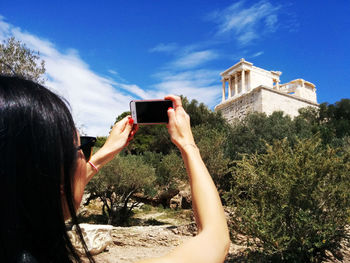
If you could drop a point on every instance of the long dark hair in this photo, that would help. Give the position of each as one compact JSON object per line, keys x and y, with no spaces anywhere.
{"x":37,"y":155}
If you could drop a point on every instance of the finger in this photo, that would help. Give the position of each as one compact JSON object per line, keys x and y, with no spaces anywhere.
{"x":135,"y":127}
{"x":175,"y":99}
{"x":120,"y":125}
{"x":132,"y":133}
{"x":171,"y":116}
{"x":128,"y":126}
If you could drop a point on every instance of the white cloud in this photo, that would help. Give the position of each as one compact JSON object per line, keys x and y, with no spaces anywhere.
{"x":247,"y":37}
{"x":271,"y":22}
{"x":136,"y":90}
{"x":113,"y":72}
{"x":202,"y":85}
{"x":194,"y":59}
{"x":94,"y":100}
{"x":257,"y":54}
{"x":164,"y":47}
{"x":246,"y":23}
{"x":186,"y":75}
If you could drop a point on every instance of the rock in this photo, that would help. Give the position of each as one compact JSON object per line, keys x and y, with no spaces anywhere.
{"x":97,"y":238}
{"x":184,"y":230}
{"x":165,"y":196}
{"x":182,"y":200}
{"x":175,"y":202}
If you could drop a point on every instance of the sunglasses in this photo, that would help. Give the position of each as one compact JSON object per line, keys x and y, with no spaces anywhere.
{"x":86,"y":144}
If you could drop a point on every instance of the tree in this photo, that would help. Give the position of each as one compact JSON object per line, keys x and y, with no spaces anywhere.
{"x":294,"y":201}
{"x":100,"y":141}
{"x":212,"y":143}
{"x":307,"y":122}
{"x":336,"y":117}
{"x":149,"y":138}
{"x":331,"y":121}
{"x":251,"y":134}
{"x":17,"y":59}
{"x":117,"y":182}
{"x":201,"y":114}
{"x":169,"y":169}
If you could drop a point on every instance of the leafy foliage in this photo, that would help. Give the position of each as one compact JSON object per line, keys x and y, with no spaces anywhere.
{"x":335,"y":119}
{"x":331,"y":121}
{"x":294,"y":200}
{"x":201,"y":114}
{"x":100,"y":141}
{"x":251,"y":134}
{"x":17,"y":59}
{"x":151,"y":138}
{"x":117,"y":182}
{"x":211,"y":143}
{"x":170,"y":172}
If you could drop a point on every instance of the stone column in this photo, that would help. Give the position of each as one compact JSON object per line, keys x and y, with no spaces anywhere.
{"x":277,"y":84}
{"x":229,"y":88}
{"x":248,"y":84}
{"x":236,"y":85}
{"x":243,"y":81}
{"x":223,"y":89}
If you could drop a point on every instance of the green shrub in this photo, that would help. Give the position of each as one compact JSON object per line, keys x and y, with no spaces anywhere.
{"x":117,"y":182}
{"x":211,"y":143}
{"x":294,"y":201}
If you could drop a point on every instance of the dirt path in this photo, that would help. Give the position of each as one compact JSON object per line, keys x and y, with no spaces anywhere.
{"x":135,"y":243}
{"x":132,"y":244}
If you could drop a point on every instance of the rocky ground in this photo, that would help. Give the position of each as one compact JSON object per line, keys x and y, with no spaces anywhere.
{"x":131,"y":244}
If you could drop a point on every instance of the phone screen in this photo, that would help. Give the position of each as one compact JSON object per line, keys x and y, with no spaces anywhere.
{"x":152,"y":111}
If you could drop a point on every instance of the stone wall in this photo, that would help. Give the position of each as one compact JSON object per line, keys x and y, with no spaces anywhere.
{"x":273,"y":100}
{"x":262,"y":99}
{"x":260,"y":77}
{"x":239,"y":107}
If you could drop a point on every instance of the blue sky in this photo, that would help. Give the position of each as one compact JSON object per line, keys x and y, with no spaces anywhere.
{"x":101,"y":54}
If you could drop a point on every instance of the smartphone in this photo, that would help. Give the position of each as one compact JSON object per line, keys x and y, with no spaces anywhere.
{"x":150,"y":111}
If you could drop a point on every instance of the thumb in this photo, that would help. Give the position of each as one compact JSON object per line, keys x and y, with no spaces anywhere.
{"x":128,"y":126}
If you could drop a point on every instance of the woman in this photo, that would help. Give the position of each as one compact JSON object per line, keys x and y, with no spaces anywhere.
{"x":45,"y":168}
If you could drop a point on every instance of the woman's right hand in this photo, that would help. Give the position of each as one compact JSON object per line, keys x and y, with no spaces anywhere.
{"x":179,"y":126}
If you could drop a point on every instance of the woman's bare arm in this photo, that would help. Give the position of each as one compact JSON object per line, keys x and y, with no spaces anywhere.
{"x":212,"y":242}
{"x":120,"y":135}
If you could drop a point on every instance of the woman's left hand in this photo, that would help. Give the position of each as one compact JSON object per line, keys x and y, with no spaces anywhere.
{"x":120,"y":136}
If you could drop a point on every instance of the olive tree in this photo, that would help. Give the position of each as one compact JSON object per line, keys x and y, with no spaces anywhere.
{"x":17,"y":59}
{"x":117,"y":182}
